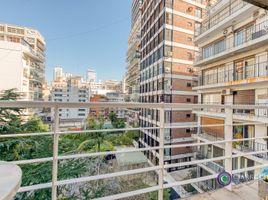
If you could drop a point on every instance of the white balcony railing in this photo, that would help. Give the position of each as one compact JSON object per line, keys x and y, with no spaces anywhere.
{"x":161,"y":168}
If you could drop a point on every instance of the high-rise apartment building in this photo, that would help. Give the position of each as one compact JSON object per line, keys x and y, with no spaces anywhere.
{"x":166,"y":71}
{"x":233,"y":69}
{"x":133,"y":54}
{"x":22,"y":60}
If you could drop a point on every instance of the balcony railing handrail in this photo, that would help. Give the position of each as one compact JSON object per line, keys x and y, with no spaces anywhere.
{"x":162,"y":126}
{"x":208,"y":23}
{"x":257,"y":30}
{"x":233,"y":75}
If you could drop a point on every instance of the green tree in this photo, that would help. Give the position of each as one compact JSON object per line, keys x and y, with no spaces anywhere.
{"x":10,"y":120}
{"x":116,"y":122}
{"x":35,"y":124}
{"x":98,"y":124}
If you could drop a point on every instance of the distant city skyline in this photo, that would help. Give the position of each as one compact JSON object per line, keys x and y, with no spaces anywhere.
{"x":102,"y":43}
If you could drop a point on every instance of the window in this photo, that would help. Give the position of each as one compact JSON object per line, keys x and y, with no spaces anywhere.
{"x":188,"y":115}
{"x":188,"y":131}
{"x":190,"y":24}
{"x":219,"y":47}
{"x":13,"y":39}
{"x":168,"y":35}
{"x":188,"y":100}
{"x":189,"y":84}
{"x":189,"y":39}
{"x":239,"y":37}
{"x":15,"y":30}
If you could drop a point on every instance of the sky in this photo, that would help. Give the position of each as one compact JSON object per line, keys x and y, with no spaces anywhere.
{"x":79,"y":34}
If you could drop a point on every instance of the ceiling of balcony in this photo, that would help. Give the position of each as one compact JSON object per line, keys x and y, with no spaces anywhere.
{"x":260,"y":3}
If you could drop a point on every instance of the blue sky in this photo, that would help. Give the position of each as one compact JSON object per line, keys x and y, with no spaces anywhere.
{"x":79,"y":34}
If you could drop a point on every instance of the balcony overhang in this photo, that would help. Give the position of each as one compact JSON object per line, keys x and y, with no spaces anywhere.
{"x":259,"y":3}
{"x":247,"y":46}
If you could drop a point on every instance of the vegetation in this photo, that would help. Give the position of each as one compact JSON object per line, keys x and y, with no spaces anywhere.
{"x":12,"y":121}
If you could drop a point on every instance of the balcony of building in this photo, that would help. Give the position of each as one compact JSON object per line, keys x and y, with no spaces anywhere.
{"x":222,"y":15}
{"x":124,"y":171}
{"x":235,"y":75}
{"x":240,"y":41}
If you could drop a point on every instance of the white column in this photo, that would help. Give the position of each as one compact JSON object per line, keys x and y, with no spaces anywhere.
{"x":228,"y":135}
{"x":55,"y":154}
{"x":161,"y":152}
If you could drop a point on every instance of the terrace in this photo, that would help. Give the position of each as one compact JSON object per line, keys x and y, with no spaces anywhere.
{"x":155,"y":177}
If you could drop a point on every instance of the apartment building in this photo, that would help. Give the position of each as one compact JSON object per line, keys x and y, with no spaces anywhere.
{"x":71,"y":89}
{"x":97,"y":112}
{"x":133,"y":53}
{"x":167,"y":73}
{"x":91,"y":76}
{"x":233,"y":69}
{"x":22,"y":56}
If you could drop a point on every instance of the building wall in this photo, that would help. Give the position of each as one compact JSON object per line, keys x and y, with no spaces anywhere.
{"x":167,"y":55}
{"x":23,"y":57}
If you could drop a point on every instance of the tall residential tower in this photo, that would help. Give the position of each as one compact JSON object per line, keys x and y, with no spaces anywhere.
{"x":166,"y":71}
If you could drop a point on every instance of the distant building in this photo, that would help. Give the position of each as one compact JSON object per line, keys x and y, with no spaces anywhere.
{"x":91,"y":76}
{"x":57,"y":73}
{"x":71,"y":89}
{"x":22,"y":56}
{"x":97,"y":112}
{"x":117,"y":98}
{"x":112,"y":85}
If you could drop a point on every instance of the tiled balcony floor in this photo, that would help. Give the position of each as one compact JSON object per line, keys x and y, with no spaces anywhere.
{"x":247,"y":191}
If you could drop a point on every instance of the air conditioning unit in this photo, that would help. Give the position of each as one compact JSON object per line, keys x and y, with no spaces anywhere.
{"x":167,"y":137}
{"x":190,"y":9}
{"x":169,"y":53}
{"x":259,"y":14}
{"x":228,"y":31}
{"x":227,"y":92}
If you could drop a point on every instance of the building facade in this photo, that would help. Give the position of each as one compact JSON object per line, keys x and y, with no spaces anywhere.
{"x":133,"y":54}
{"x":91,"y":76}
{"x":58,"y":73}
{"x":166,"y":71}
{"x":233,"y":70}
{"x":71,"y":89}
{"x":23,"y":61}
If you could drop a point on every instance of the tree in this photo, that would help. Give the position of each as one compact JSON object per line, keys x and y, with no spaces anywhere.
{"x":10,"y":121}
{"x":35,"y":124}
{"x":116,"y":122}
{"x":98,"y":124}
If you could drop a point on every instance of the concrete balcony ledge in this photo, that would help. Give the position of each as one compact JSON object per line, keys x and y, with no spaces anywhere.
{"x":10,"y":180}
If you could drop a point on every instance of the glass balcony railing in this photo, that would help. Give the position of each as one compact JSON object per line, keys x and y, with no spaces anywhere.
{"x":238,"y":39}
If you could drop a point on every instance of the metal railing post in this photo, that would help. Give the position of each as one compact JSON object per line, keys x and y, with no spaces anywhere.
{"x":55,"y":154}
{"x":161,"y":151}
{"x":228,"y":135}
